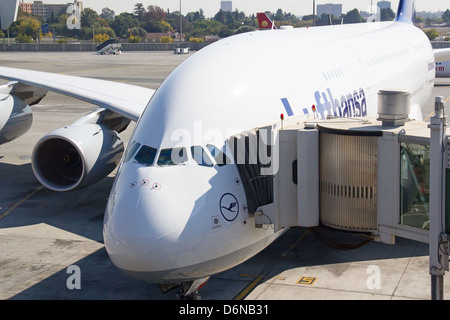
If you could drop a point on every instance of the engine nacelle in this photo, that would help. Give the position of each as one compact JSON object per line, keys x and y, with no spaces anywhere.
{"x":76,"y":156}
{"x":16,"y":118}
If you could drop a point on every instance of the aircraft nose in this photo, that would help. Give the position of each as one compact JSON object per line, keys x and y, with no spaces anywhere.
{"x":148,"y":216}
{"x":137,"y":228}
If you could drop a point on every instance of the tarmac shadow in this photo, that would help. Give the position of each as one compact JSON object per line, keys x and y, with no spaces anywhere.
{"x":24,"y":202}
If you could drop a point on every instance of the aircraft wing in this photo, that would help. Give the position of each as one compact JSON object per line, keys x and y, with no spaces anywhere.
{"x":441,"y":55}
{"x":124,"y":99}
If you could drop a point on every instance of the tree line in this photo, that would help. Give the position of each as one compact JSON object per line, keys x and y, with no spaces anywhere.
{"x":134,"y":26}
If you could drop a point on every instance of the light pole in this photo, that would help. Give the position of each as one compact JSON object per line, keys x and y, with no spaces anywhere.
{"x":181,"y":25}
{"x":314,"y":13}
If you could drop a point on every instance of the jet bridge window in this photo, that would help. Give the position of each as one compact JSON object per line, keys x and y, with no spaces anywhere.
{"x":146,"y":155}
{"x":171,"y":157}
{"x":415,"y":185}
{"x":200,"y":156}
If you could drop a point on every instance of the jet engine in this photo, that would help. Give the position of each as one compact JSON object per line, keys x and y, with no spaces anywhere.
{"x":16,"y":118}
{"x":80,"y":154}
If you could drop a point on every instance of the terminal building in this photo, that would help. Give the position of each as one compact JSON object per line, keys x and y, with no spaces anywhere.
{"x":384,"y":5}
{"x":226,"y":6}
{"x":329,"y":8}
{"x":44,"y":10}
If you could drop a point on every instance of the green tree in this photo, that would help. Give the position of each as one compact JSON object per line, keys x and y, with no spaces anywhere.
{"x":123,"y":22}
{"x":137,"y":32}
{"x":174,"y":20}
{"x":310,"y":17}
{"x":165,"y":26}
{"x":107,"y":14}
{"x":207,"y":27}
{"x":88,"y":18}
{"x":166,"y":40}
{"x":245,"y":29}
{"x":104,"y":30}
{"x":155,"y":13}
{"x":29,"y":27}
{"x":134,"y":39}
{"x":194,"y":16}
{"x":432,"y":34}
{"x":279,"y":15}
{"x":22,"y":38}
{"x":446,"y":16}
{"x":139,"y":11}
{"x":221,"y":16}
{"x":387,"y":14}
{"x":353,"y":16}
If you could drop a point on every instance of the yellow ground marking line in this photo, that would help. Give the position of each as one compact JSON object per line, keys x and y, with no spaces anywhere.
{"x":250,"y":287}
{"x":258,"y":279}
{"x":20,"y":202}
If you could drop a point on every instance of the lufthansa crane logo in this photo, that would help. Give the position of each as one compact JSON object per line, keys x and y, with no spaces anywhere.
{"x":229,"y":207}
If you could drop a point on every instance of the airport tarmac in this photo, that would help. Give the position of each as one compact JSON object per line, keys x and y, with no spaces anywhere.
{"x":43,"y":233}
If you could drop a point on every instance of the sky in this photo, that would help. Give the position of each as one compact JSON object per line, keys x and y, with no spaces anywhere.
{"x":211,"y":7}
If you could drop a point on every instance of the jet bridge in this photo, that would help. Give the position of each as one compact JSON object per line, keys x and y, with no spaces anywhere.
{"x":382,"y":177}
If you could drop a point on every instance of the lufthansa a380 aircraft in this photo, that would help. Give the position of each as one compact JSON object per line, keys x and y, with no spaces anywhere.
{"x":177,"y":212}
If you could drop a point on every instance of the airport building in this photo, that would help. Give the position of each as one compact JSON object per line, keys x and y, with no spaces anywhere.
{"x":25,"y":7}
{"x":44,"y":10}
{"x":226,"y":6}
{"x":329,"y":8}
{"x":8,"y":13}
{"x":384,"y":5}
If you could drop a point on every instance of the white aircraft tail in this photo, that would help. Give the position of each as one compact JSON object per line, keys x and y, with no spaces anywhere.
{"x":405,"y":11}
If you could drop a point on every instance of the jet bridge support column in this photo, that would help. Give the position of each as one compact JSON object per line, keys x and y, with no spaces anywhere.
{"x":438,"y":244}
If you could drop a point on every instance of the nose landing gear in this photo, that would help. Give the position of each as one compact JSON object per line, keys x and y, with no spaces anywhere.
{"x":189,"y":289}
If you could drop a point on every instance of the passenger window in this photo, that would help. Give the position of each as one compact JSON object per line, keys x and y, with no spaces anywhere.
{"x":171,"y":157}
{"x":146,"y":155}
{"x":132,"y":148}
{"x":200,"y":156}
{"x":220,"y":157}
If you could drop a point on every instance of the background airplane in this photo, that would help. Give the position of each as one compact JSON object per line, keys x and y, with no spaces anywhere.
{"x":443,"y":69}
{"x":339,"y":69}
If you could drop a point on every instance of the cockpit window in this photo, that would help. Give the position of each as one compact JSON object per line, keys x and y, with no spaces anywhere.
{"x":171,"y":157}
{"x":220,"y":157}
{"x":146,"y":155}
{"x":200,"y":156}
{"x":132,"y":148}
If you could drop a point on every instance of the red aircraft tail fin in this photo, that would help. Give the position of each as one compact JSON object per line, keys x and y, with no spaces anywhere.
{"x":264,"y":21}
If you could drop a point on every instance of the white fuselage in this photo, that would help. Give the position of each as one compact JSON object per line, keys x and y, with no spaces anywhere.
{"x":443,"y":69}
{"x":168,"y":223}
